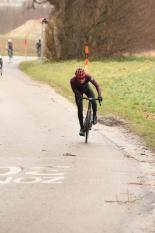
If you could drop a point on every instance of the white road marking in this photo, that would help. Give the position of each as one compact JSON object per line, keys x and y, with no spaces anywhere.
{"x":6,"y":171}
{"x":27,"y":180}
{"x":32,"y":175}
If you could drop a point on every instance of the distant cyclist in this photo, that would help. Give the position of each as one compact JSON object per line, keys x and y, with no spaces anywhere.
{"x":10,"y":49}
{"x":1,"y":65}
{"x":80,"y":85}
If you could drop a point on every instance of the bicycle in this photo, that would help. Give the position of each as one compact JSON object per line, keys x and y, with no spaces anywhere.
{"x":10,"y":54}
{"x":88,"y":122}
{"x":1,"y":71}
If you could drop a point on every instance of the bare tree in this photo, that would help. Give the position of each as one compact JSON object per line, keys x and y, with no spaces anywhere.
{"x":109,"y":27}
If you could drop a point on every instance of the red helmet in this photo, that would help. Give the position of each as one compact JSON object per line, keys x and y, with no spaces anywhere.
{"x":80,"y":73}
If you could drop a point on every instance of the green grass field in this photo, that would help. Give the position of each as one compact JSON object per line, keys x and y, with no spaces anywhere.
{"x":128,"y":86}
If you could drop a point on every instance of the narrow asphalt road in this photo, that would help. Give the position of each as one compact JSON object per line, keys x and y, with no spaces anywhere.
{"x":50,"y":180}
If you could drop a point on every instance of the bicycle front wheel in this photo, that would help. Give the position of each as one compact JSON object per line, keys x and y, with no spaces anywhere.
{"x":87,"y":125}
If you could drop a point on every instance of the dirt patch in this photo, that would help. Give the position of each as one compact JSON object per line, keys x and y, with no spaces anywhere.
{"x":149,"y":116}
{"x":112,"y":121}
{"x":120,"y":133}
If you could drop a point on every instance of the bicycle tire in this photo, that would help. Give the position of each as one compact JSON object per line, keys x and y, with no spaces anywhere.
{"x":87,"y":124}
{"x":89,"y":118}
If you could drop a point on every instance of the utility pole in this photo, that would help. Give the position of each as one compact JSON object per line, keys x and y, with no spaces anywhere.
{"x":86,"y":58}
{"x":25,"y":47}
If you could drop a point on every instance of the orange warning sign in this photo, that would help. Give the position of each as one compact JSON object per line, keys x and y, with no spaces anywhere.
{"x":86,"y":50}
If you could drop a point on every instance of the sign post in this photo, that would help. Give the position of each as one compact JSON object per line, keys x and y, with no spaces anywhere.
{"x":25,"y":46}
{"x":43,"y":22}
{"x":86,"y":58}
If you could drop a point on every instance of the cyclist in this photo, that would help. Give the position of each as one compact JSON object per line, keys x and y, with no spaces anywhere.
{"x":80,"y":85}
{"x":10,"y":48}
{"x":1,"y":65}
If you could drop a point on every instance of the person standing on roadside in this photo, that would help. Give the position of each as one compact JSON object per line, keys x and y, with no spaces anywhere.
{"x":38,"y":48}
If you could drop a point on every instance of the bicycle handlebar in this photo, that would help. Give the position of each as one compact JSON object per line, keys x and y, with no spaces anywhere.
{"x":90,"y":99}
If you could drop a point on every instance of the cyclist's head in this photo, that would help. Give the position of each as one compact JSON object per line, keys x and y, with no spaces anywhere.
{"x":9,"y":40}
{"x":80,"y":74}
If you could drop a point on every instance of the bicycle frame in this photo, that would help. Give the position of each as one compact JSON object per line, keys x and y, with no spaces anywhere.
{"x":10,"y":54}
{"x":88,"y":118}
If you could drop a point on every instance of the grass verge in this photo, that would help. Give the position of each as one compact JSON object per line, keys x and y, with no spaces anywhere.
{"x":128,"y":86}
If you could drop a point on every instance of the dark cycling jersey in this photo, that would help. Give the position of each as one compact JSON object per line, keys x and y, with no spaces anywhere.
{"x":10,"y":45}
{"x":79,"y":88}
